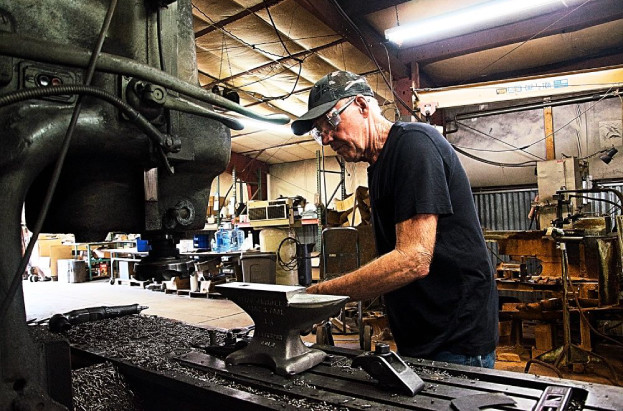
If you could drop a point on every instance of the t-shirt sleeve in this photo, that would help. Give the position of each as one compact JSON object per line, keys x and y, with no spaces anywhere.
{"x":421,"y":178}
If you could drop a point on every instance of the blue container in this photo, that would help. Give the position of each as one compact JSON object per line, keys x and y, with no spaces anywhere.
{"x":142,"y":246}
{"x":201,"y":241}
{"x":227,"y":243}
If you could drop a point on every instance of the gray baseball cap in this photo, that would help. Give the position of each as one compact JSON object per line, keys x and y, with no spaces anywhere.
{"x":326,"y":93}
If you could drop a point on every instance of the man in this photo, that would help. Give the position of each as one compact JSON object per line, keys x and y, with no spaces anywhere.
{"x":433,"y":269}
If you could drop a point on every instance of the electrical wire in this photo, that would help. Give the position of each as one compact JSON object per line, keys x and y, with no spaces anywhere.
{"x":265,"y":43}
{"x":59,"y":163}
{"x":292,"y":264}
{"x":371,"y":55}
{"x":499,"y":140}
{"x":606,"y":94}
{"x":603,"y":200}
{"x":391,"y":81}
{"x":272,"y":22}
{"x":298,"y":60}
{"x":233,"y":36}
{"x":527,"y":163}
{"x":159,"y":36}
{"x":494,"y":163}
{"x":479,"y":74}
{"x":577,"y":132}
{"x":486,"y":149}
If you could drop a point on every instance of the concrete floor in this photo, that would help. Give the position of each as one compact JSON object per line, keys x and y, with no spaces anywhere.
{"x":43,"y":299}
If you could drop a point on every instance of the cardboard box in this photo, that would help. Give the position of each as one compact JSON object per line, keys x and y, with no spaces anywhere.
{"x":59,"y":252}
{"x":346,"y":204}
{"x":214,"y":208}
{"x":45,"y":244}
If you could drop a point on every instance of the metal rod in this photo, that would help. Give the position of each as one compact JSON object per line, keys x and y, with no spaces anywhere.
{"x":575,"y":100}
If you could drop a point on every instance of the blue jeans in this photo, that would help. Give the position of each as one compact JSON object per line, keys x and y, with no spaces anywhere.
{"x":484,"y":361}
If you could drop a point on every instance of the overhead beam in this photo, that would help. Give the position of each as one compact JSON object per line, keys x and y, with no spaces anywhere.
{"x":591,"y":14}
{"x":357,"y":8}
{"x":612,"y":57}
{"x":326,"y":12}
{"x":222,"y":23}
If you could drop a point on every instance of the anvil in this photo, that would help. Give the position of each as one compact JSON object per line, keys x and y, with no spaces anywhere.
{"x":280,"y":313}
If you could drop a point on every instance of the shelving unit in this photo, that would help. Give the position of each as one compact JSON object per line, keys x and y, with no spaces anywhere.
{"x":90,"y":247}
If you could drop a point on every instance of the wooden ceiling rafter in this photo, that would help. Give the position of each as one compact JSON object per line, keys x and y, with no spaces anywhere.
{"x":300,"y":54}
{"x":324,"y":10}
{"x":358,"y":8}
{"x":231,"y":19}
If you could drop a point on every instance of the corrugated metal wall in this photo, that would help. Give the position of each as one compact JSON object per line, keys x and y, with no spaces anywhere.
{"x":607,"y":208}
{"x":505,"y":209}
{"x":508,"y":210}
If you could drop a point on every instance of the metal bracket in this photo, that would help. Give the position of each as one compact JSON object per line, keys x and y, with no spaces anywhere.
{"x":554,"y":399}
{"x":389,"y":369}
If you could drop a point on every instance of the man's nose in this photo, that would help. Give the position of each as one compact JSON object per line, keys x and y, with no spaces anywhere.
{"x":326,"y":137}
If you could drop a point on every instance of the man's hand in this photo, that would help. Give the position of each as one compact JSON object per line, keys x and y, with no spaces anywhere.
{"x":313,"y":289}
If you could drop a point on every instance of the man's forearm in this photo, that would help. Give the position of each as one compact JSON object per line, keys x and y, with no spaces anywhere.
{"x":380,"y":276}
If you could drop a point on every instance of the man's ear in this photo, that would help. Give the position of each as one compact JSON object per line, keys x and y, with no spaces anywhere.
{"x":363,"y":105}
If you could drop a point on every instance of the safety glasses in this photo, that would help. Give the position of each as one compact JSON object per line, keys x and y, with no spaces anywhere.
{"x":333,"y":118}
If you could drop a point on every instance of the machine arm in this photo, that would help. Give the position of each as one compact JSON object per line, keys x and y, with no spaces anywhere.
{"x":14,"y":45}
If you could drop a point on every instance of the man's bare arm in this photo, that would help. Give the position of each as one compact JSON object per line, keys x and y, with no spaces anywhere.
{"x":409,"y":261}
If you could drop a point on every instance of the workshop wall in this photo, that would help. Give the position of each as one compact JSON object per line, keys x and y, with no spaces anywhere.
{"x":299,"y":178}
{"x":580,"y":130}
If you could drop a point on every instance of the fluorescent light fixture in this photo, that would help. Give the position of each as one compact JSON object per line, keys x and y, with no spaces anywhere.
{"x":469,"y":19}
{"x":258,"y":125}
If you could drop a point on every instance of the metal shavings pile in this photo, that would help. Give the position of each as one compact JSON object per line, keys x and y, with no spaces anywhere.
{"x":152,"y":342}
{"x":101,"y":388}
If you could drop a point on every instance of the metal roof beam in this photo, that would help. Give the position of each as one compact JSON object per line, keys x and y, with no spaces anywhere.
{"x":326,"y":12}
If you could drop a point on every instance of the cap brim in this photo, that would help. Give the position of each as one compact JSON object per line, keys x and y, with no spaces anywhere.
{"x":305,"y":123}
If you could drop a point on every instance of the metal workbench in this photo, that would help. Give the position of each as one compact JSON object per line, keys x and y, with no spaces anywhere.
{"x":162,"y":364}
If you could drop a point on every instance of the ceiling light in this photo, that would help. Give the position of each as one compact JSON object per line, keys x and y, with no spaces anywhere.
{"x":470,"y":19}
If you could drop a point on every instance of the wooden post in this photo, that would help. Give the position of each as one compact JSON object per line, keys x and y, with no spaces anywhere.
{"x":585,"y":333}
{"x":550,"y":149}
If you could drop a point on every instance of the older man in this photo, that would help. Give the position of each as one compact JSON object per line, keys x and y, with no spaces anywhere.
{"x":433,"y":267}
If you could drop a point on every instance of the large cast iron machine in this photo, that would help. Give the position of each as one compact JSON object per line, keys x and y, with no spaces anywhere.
{"x":104,"y":128}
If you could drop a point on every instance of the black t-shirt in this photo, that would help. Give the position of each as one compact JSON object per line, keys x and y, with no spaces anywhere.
{"x":455,"y":307}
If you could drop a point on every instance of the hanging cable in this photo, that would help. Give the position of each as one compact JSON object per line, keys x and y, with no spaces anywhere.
{"x":494,"y":163}
{"x":371,"y":55}
{"x":479,"y":74}
{"x":292,"y":263}
{"x":499,"y":140}
{"x":59,"y":163}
